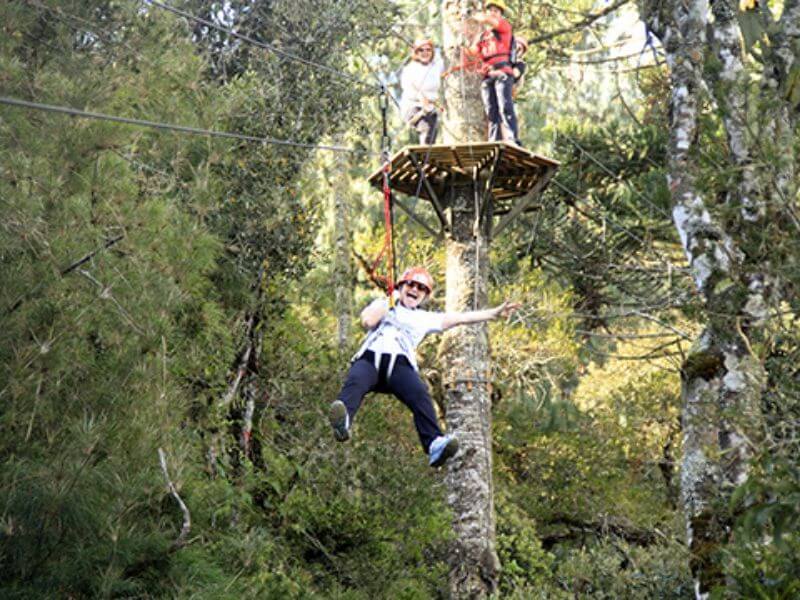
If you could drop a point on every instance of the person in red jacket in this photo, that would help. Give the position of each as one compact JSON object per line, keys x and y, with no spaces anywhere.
{"x":493,"y":46}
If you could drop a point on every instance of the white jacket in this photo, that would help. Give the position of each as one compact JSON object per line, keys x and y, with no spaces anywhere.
{"x":420,"y":82}
{"x":400,"y":332}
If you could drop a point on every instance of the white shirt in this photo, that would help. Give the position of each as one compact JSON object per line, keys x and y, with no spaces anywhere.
{"x":420,"y":82}
{"x":401,"y":331}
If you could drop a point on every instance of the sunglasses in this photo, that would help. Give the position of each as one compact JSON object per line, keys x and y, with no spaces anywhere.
{"x":421,"y":50}
{"x":418,"y":286}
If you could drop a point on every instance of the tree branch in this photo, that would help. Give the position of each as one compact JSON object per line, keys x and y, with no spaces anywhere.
{"x":244,"y":363}
{"x":180,"y":541}
{"x":91,"y":254}
{"x":65,"y":271}
{"x":606,"y":527}
{"x":377,"y":281}
{"x":591,"y":18}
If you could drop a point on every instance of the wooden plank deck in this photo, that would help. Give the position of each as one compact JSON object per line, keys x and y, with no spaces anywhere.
{"x":516,"y":173}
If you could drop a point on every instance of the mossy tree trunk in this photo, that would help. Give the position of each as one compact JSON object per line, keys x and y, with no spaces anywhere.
{"x":731,"y":246}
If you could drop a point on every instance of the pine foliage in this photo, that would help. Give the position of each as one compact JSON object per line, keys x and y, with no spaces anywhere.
{"x":174,"y":292}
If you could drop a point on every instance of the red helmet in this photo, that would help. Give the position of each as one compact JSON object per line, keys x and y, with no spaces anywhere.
{"x":418,"y":274}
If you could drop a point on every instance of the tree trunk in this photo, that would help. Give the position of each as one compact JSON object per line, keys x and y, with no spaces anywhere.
{"x":723,"y":379}
{"x":464,"y":352}
{"x":464,"y":120}
{"x":342,"y":273}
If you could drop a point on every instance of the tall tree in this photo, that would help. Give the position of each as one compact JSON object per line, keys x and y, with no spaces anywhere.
{"x":465,"y":351}
{"x":735,"y":244}
{"x":141,"y":273}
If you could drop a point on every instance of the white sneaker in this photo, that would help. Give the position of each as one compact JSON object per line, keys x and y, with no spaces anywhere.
{"x":442,"y":448}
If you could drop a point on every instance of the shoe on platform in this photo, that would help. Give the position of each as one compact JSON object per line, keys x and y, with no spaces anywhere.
{"x":339,"y":420}
{"x":441,"y":449}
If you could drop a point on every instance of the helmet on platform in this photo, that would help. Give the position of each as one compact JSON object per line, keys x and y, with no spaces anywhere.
{"x":418,"y":274}
{"x":499,"y":4}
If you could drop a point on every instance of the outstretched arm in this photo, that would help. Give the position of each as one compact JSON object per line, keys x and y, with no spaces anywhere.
{"x":479,"y":316}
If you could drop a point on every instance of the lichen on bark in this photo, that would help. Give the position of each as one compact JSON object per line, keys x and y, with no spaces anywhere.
{"x":464,"y":353}
{"x":722,"y":379}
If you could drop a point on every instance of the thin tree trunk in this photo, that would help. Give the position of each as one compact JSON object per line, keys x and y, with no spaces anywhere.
{"x":464,"y":352}
{"x":342,"y":273}
{"x":709,"y":253}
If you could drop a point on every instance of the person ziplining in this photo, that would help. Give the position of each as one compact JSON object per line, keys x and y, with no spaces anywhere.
{"x":396,"y":324}
{"x":386,"y":361}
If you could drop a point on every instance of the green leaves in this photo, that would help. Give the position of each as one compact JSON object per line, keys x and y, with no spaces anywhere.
{"x":792,"y":85}
{"x":751,"y":24}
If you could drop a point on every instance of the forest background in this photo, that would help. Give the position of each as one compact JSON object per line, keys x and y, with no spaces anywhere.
{"x":178,"y":311}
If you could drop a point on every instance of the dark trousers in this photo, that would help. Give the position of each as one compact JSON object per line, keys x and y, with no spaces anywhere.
{"x":425,"y":124}
{"x":405,"y":384}
{"x":499,"y":107}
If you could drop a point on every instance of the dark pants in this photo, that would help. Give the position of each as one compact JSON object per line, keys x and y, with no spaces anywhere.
{"x":499,"y":107}
{"x":405,"y":384}
{"x":425,"y":124}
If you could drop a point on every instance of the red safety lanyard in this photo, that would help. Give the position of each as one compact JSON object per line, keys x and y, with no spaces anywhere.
{"x":388,"y":243}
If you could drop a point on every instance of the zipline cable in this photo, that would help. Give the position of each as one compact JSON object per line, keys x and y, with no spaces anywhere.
{"x":255,"y":42}
{"x":381,"y":84}
{"x":96,"y":29}
{"x":169,"y":126}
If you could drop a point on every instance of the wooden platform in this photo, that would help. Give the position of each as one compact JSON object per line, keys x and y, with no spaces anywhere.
{"x":428,"y":170}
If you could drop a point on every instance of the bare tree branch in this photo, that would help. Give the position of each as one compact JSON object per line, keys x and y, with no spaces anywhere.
{"x":66,"y":270}
{"x":180,"y":541}
{"x":242,"y":367}
{"x":588,"y":20}
{"x":373,"y":277}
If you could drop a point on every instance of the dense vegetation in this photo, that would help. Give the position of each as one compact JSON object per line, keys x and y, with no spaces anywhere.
{"x":176,"y":292}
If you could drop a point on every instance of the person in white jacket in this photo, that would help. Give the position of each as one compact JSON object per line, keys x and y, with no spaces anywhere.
{"x":386,"y":361}
{"x":420,"y":82}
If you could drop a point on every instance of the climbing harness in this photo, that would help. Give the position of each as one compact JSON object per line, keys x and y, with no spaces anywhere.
{"x":404,"y":339}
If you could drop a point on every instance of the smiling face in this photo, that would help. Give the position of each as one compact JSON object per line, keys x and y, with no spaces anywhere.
{"x":413,"y":293}
{"x":424,"y":54}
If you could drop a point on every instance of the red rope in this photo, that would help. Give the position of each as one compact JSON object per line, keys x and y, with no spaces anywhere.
{"x":388,"y":247}
{"x":387,"y":244}
{"x":467,"y":64}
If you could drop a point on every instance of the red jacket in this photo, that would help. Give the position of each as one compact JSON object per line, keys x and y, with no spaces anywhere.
{"x":494,"y":47}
